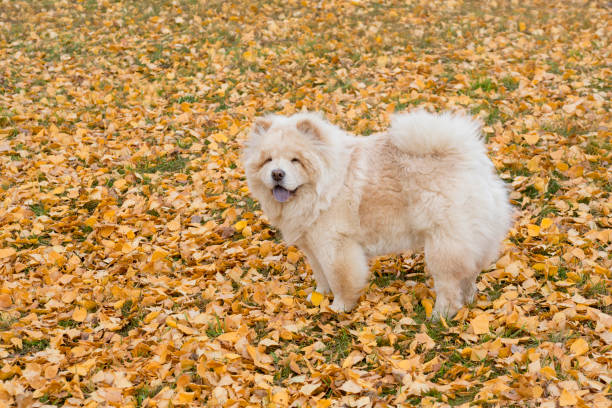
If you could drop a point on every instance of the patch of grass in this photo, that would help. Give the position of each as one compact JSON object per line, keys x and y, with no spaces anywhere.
{"x":133,"y":317}
{"x":162,"y":164}
{"x":68,"y":323}
{"x":144,"y":392}
{"x":282,"y":373}
{"x":91,"y":205}
{"x":38,"y":209}
{"x":464,"y":396}
{"x":33,"y":346}
{"x":552,"y":187}
{"x":6,"y":322}
{"x":495,"y":292}
{"x":597,"y":289}
{"x":547,"y":210}
{"x":510,"y":83}
{"x":55,"y":400}
{"x":187,"y":98}
{"x":339,"y":347}
{"x":215,"y":329}
{"x":384,"y":279}
{"x":531,"y":192}
{"x":386,"y":391}
{"x":485,"y":84}
{"x":126,"y":308}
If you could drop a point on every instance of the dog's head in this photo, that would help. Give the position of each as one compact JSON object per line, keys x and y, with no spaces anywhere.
{"x":284,"y":155}
{"x":292,"y":163}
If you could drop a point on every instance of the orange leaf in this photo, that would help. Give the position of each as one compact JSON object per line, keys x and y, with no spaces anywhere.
{"x":480,"y":324}
{"x":6,"y":252}
{"x":79,"y":314}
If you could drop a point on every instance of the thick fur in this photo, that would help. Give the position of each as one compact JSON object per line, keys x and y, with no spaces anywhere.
{"x":425,"y":183}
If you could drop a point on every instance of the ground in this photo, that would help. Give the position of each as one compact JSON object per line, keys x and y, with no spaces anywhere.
{"x":136,"y":271}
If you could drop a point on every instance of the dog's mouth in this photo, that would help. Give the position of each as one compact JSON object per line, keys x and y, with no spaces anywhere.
{"x":281,"y":194}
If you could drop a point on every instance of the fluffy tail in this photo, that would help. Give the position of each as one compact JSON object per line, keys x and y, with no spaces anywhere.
{"x":422,"y":133}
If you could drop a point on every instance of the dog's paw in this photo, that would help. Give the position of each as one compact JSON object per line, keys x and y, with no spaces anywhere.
{"x":339,"y":306}
{"x":443,"y":309}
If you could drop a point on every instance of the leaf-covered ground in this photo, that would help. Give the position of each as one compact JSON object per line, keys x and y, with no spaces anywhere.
{"x":136,"y":271}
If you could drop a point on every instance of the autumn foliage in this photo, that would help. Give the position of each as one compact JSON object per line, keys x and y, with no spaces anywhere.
{"x":136,"y":271}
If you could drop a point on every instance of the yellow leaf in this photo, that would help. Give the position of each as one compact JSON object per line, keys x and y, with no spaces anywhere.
{"x":533,"y":230}
{"x":184,"y":397}
{"x":90,"y":222}
{"x":248,"y":56}
{"x":531,"y":138}
{"x":522,"y":26}
{"x":186,"y":329}
{"x":293,"y":257}
{"x":79,"y":314}
{"x":534,"y":164}
{"x":548,"y":372}
{"x":281,"y":398}
{"x":546,"y":222}
{"x":567,"y":398}
{"x":480,"y":324}
{"x":152,"y":315}
{"x":5,"y":300}
{"x":239,"y":226}
{"x":428,"y":306}
{"x":174,"y":225}
{"x":561,"y":166}
{"x":109,"y":215}
{"x":219,"y":137}
{"x":351,"y":387}
{"x":230,"y":337}
{"x":316,"y":298}
{"x":324,"y":403}
{"x":579,"y":347}
{"x":158,"y":254}
{"x":6,"y":252}
{"x":171,"y":322}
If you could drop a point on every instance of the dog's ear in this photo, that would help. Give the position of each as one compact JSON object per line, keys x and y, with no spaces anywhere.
{"x":311,"y":128}
{"x":261,"y":126}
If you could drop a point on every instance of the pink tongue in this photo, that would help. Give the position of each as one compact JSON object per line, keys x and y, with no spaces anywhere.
{"x":281,"y":194}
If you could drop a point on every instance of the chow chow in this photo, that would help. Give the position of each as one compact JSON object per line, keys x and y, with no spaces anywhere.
{"x":424,"y":183}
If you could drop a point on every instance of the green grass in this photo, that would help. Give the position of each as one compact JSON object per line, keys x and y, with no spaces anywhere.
{"x":384,"y":279}
{"x":553,"y":187}
{"x":33,"y":346}
{"x":598,"y":289}
{"x":91,"y":205}
{"x":162,"y":164}
{"x":144,"y":392}
{"x":510,"y":83}
{"x":339,"y":347}
{"x":187,"y":98}
{"x":215,"y":329}
{"x":485,"y":84}
{"x":126,"y":308}
{"x":68,"y":323}
{"x":38,"y":209}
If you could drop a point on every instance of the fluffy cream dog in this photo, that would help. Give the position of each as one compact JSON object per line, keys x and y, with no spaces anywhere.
{"x":425,"y":183}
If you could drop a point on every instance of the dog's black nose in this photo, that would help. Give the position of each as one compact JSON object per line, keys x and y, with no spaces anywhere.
{"x":278,"y":174}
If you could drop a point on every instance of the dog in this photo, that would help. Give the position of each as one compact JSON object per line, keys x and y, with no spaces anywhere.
{"x":426,"y":182}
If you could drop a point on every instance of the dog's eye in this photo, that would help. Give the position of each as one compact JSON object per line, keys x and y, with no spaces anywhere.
{"x":268,"y":160}
{"x":295,"y":160}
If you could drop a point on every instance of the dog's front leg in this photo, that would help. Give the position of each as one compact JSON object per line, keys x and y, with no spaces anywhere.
{"x":347,"y":273}
{"x":317,"y":272}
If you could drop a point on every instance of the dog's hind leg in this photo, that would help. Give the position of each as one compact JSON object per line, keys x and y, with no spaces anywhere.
{"x":454,"y":272}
